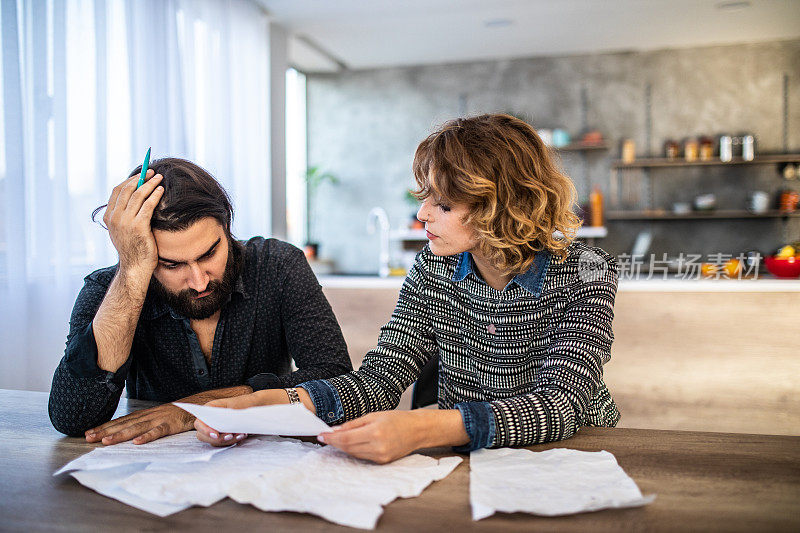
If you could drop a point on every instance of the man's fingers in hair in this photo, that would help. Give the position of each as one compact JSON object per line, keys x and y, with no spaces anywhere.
{"x":125,"y":193}
{"x":112,"y":200}
{"x":140,"y":195}
{"x":119,"y":201}
{"x":149,"y":205}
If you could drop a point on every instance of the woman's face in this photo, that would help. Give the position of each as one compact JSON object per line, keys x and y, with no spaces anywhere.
{"x":447,"y":233}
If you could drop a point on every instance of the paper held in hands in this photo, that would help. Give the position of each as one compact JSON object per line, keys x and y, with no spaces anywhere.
{"x":290,"y":419}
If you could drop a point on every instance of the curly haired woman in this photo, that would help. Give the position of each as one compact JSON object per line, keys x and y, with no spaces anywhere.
{"x":517,"y":311}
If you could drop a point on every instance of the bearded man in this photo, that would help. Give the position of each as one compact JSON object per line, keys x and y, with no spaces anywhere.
{"x":189,"y":313}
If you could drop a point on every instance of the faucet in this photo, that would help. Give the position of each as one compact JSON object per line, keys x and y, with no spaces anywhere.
{"x":378,"y":215}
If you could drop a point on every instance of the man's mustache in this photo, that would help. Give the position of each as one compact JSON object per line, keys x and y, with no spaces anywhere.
{"x":212,"y":286}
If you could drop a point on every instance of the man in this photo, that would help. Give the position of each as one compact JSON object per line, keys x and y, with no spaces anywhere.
{"x":187,"y":314}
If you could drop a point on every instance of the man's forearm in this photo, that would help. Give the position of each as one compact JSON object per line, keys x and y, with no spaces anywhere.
{"x":116,"y":319}
{"x":216,"y":394}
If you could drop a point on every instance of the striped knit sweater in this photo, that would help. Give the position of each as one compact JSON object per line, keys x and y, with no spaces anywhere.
{"x":526,"y":363}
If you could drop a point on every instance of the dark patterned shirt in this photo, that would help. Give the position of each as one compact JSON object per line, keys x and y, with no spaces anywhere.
{"x":524,"y":365}
{"x":276,"y":313}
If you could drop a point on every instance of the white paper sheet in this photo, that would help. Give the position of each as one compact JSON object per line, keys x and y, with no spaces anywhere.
{"x":180,"y":448}
{"x":107,"y":482}
{"x":339,"y":488}
{"x":287,"y":419}
{"x":207,"y":483}
{"x":550,"y":483}
{"x":273,"y":473}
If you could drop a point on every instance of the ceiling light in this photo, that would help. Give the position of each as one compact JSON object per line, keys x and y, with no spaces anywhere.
{"x":498,"y":23}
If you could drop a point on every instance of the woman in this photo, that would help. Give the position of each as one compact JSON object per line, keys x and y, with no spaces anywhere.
{"x":519,"y":313}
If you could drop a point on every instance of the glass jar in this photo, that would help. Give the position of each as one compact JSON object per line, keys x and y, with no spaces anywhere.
{"x":628,"y":151}
{"x":706,"y":148}
{"x":690,"y":148}
{"x":788,"y":201}
{"x":672,"y":149}
{"x":748,"y":147}
{"x":725,"y":148}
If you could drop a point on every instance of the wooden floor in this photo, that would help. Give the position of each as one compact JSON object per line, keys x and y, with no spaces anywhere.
{"x":727,"y":362}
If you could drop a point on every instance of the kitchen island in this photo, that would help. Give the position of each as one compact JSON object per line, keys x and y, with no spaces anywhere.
{"x":700,"y":355}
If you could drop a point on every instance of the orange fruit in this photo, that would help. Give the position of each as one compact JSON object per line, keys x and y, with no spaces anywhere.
{"x":733,"y":268}
{"x":708,"y":269}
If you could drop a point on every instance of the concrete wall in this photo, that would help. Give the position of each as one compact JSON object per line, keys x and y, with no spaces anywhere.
{"x":365,"y":125}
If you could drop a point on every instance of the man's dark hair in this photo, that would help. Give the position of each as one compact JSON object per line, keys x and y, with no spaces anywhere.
{"x":190,"y":194}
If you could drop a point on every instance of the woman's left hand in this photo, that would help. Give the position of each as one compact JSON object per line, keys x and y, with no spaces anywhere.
{"x":381,"y":437}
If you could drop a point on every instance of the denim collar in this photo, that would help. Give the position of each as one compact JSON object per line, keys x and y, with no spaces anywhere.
{"x":532,"y":280}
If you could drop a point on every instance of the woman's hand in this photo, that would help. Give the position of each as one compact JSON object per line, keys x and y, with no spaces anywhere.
{"x":389,"y":435}
{"x":262,"y":397}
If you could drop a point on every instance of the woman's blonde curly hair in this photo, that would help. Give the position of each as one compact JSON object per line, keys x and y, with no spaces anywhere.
{"x":508,"y":178}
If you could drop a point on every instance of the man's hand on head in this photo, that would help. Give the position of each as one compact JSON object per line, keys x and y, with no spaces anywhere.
{"x":156,"y":422}
{"x":128,"y":217}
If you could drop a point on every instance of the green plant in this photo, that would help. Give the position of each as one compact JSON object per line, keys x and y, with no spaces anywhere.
{"x":315,"y":177}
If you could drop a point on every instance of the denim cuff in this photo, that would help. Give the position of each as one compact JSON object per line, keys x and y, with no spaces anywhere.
{"x":479,"y":423}
{"x":326,"y":400}
{"x":265,"y":380}
{"x":81,"y":361}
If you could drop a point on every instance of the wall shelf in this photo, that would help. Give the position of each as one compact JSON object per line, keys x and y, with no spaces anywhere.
{"x":663,"y":162}
{"x":582,"y":147}
{"x":638,"y":203}
{"x":717,"y":214}
{"x":412,"y":235}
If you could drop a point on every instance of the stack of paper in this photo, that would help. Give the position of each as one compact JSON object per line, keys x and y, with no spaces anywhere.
{"x":159,"y":478}
{"x":550,"y":483}
{"x":181,"y":448}
{"x":273,"y":473}
{"x":282,"y":474}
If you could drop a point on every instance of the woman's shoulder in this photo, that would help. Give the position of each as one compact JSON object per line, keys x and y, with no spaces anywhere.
{"x":579,"y":251}
{"x":583,"y":264}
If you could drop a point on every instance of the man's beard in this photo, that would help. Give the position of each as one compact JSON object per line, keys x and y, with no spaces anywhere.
{"x":186,"y":302}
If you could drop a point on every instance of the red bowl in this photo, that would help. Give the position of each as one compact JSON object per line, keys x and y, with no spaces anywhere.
{"x":788,"y":267}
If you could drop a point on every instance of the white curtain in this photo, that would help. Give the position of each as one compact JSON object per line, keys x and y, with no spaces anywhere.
{"x":87,"y":87}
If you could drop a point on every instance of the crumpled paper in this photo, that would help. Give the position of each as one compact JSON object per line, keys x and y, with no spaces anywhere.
{"x":106,"y":482}
{"x":340,"y":488}
{"x":273,"y":473}
{"x":180,"y":448}
{"x":549,"y":483}
{"x":207,"y":483}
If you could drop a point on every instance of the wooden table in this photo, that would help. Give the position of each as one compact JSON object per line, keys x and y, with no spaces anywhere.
{"x":704,"y":481}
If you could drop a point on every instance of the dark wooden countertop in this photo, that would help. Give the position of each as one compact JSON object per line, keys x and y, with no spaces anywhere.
{"x":703,"y":481}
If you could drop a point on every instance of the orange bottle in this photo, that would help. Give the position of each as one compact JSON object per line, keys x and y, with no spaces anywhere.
{"x":596,"y":207}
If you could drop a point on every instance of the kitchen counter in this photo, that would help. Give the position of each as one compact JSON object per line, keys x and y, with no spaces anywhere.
{"x":704,"y":481}
{"x":762,"y":284}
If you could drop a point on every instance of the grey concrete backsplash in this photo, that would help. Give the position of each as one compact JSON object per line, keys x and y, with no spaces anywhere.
{"x":365,"y":125}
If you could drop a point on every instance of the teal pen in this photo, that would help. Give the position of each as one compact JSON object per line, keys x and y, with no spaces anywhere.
{"x":145,"y":165}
